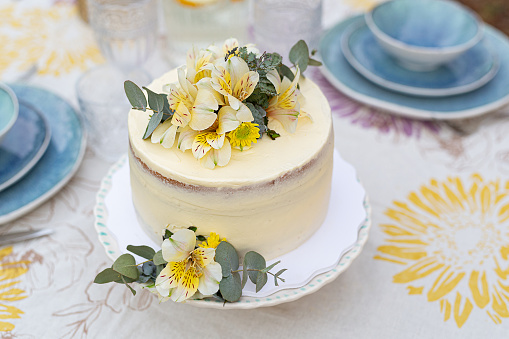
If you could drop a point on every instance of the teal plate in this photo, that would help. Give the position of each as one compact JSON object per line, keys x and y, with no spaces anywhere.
{"x":23,"y":146}
{"x":58,"y":164}
{"x":8,"y":109}
{"x":489,"y":97}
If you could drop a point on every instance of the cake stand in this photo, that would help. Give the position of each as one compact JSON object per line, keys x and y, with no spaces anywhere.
{"x":317,"y":262}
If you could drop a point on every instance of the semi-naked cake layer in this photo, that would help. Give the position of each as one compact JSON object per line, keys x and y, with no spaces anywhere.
{"x":270,"y":198}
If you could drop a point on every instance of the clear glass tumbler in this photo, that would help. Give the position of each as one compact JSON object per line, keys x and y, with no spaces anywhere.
{"x":279,"y":24}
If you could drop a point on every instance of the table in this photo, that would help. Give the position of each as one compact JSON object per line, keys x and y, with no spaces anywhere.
{"x":436,"y":264}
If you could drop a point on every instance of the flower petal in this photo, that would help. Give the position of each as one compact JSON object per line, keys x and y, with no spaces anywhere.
{"x":169,"y":277}
{"x":203,"y":113}
{"x":287,"y":118}
{"x":159,"y":132}
{"x":209,"y":281}
{"x":217,"y":157}
{"x":274,"y":77}
{"x":200,"y":146}
{"x":237,"y":67}
{"x":215,"y":140}
{"x":179,"y":245}
{"x":186,"y":138}
{"x":203,"y":256}
{"x":227,"y":118}
{"x":246,"y":85}
{"x":205,"y":83}
{"x":169,"y":137}
{"x":244,"y":114}
{"x":182,"y":116}
{"x":187,"y":286}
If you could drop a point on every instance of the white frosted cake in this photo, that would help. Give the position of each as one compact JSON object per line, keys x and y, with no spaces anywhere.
{"x":269,"y":198}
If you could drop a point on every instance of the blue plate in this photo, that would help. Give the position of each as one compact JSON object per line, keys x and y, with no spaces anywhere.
{"x":8,"y":109}
{"x":489,"y":97}
{"x":468,"y":72}
{"x":59,"y":162}
{"x":23,"y":146}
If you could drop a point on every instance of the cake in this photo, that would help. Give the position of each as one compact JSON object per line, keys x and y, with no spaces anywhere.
{"x":269,"y":198}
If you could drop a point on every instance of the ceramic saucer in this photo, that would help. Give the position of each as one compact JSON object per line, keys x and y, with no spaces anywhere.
{"x":58,"y":164}
{"x":468,"y":72}
{"x":348,"y":221}
{"x":23,"y":145}
{"x":8,"y":109}
{"x":489,"y":97}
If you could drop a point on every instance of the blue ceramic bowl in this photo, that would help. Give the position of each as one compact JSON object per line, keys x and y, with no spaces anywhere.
{"x":423,"y":34}
{"x":8,"y":109}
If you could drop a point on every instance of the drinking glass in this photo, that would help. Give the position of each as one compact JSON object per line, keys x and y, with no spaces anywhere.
{"x":126,"y":32}
{"x":201,"y":23}
{"x":279,"y":24}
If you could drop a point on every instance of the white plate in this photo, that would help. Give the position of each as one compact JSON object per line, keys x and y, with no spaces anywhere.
{"x":312,"y":265}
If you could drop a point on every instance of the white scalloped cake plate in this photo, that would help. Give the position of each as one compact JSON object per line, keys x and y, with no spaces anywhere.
{"x":321,"y":259}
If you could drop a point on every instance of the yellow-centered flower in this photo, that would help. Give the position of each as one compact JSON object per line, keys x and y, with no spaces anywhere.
{"x":212,"y":149}
{"x":244,"y":135}
{"x":284,"y":107}
{"x":212,"y":241}
{"x":188,"y":269}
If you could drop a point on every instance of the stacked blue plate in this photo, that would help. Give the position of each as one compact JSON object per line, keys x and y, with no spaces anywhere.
{"x":39,"y":152}
{"x":473,"y":83}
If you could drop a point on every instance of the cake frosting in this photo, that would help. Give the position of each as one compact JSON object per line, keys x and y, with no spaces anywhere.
{"x":270,"y":198}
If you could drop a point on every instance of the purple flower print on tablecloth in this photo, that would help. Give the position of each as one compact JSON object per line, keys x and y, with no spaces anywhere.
{"x":368,"y":117}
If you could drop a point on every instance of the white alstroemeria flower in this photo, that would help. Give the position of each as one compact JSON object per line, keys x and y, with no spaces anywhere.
{"x":188,"y":269}
{"x":196,"y":59}
{"x":212,"y":149}
{"x":164,"y":134}
{"x":284,"y":107}
{"x":194,"y":107}
{"x":219,"y":52}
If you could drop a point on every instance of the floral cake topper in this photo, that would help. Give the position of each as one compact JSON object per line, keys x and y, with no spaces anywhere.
{"x":224,"y":99}
{"x":190,"y":266}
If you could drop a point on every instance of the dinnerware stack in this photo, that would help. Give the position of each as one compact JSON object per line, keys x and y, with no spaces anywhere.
{"x":41,"y":146}
{"x":429,"y":48}
{"x":420,"y":58}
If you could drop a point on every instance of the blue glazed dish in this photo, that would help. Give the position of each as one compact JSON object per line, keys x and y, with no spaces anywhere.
{"x":23,"y":146}
{"x":489,"y":97}
{"x":9,"y":110}
{"x":58,"y":164}
{"x":469,"y":71}
{"x":423,"y":34}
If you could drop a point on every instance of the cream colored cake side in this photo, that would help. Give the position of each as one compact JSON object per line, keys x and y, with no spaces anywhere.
{"x":271,"y":218}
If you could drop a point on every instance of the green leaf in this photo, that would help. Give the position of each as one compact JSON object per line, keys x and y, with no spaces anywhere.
{"x":313,"y":62}
{"x":268,"y":62}
{"x":130,"y":288}
{"x":126,"y":265}
{"x":261,"y":280}
{"x":155,"y":101}
{"x":106,"y":276}
{"x":280,"y":272}
{"x":272,"y":134}
{"x":287,"y":72}
{"x":167,"y":234}
{"x":192,"y":228}
{"x":254,"y":261}
{"x":266,"y":86}
{"x":299,"y":55}
{"x":244,"y":276}
{"x":155,"y":120}
{"x":135,"y":95}
{"x":158,"y":258}
{"x":201,"y":238}
{"x":259,"y":98}
{"x":266,"y":269}
{"x":231,"y":287}
{"x":227,"y":257}
{"x":166,"y":104}
{"x":258,"y":116}
{"x":143,"y":251}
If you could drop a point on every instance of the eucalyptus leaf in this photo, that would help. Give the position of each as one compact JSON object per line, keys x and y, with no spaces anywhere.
{"x":227,"y":257}
{"x":106,"y":276}
{"x":155,"y":101}
{"x":244,"y":276}
{"x":231,"y":287}
{"x":143,"y":251}
{"x":286,"y":71}
{"x":299,"y":55}
{"x":254,"y":261}
{"x":126,"y":265}
{"x":313,"y":62}
{"x":266,"y":269}
{"x":158,"y":258}
{"x":148,"y":268}
{"x":166,"y":104}
{"x":155,"y":120}
{"x":126,"y":279}
{"x":130,"y":288}
{"x":192,"y":228}
{"x":135,"y":95}
{"x":261,"y":280}
{"x":280,"y":272}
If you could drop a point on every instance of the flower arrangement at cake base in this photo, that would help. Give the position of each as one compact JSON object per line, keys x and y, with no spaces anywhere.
{"x":190,"y":266}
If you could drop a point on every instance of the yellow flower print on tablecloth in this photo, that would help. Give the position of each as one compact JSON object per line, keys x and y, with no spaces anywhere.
{"x":10,"y":270}
{"x":452,"y":237}
{"x":54,"y":39}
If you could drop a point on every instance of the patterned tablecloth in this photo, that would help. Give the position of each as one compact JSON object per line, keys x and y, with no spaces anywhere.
{"x":436,"y":264}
